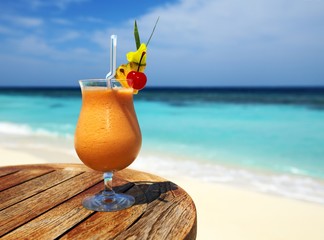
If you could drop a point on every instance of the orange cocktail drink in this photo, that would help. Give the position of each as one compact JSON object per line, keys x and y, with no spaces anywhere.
{"x":107,"y":137}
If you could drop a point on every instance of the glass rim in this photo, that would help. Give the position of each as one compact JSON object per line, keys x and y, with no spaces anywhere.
{"x":102,"y":80}
{"x":102,"y":83}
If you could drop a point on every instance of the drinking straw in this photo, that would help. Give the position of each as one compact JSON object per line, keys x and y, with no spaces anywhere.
{"x":113,"y":47}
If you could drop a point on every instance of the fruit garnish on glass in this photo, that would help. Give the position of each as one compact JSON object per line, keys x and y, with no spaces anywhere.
{"x":133,"y":71}
{"x":107,"y":124}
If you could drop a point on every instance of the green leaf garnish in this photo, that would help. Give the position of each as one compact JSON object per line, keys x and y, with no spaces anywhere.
{"x":137,"y":37}
{"x":157,"y":20}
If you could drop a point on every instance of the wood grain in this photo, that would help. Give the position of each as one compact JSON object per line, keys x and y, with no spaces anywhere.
{"x":20,"y":176}
{"x":45,"y":203}
{"x":27,"y":189}
{"x":8,"y":171}
{"x":49,"y":225}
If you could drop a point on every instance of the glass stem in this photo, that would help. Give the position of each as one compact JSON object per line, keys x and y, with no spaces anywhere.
{"x":108,"y":176}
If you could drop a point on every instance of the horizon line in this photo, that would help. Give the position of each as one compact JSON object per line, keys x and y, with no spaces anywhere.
{"x":175,"y":87}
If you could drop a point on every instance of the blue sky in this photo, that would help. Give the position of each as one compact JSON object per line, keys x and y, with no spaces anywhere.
{"x":196,"y":43}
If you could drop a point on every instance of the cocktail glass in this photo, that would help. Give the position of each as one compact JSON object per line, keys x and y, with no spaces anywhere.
{"x":107,"y":137}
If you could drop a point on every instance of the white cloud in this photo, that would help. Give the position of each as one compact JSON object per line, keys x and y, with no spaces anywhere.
{"x":91,"y":19}
{"x":28,"y":71}
{"x":32,"y":45}
{"x":228,"y":40}
{"x":61,"y":4}
{"x":40,"y":62}
{"x":62,"y":21}
{"x":7,"y":31}
{"x":198,"y":42}
{"x":23,"y":21}
{"x":36,"y":47}
{"x":194,"y":22}
{"x":67,"y":36}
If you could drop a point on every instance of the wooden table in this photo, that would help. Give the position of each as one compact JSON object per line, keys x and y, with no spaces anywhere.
{"x":44,"y":202}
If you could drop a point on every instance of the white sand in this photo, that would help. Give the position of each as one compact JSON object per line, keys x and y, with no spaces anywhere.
{"x":11,"y":157}
{"x":224,"y":212}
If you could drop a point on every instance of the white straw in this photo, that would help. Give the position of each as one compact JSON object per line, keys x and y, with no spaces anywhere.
{"x":113,"y":49}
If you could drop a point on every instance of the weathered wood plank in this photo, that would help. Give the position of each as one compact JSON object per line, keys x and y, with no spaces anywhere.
{"x":56,"y":221}
{"x":20,"y":177}
{"x":52,"y":166}
{"x":27,"y":189}
{"x":169,"y":215}
{"x":7,"y":171}
{"x":51,"y":208}
{"x":131,"y":175}
{"x":107,"y":225}
{"x":30,"y":208}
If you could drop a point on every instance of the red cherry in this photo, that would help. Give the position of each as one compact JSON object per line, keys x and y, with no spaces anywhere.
{"x":137,"y":80}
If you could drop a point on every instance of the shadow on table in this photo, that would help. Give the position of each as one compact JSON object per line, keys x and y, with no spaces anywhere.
{"x":146,"y":192}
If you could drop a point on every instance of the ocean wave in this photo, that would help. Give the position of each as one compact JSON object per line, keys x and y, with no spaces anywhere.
{"x":286,"y":185}
{"x":294,"y":184}
{"x":9,"y":128}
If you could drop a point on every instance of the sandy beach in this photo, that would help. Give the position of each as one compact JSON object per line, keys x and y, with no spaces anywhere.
{"x":224,"y":212}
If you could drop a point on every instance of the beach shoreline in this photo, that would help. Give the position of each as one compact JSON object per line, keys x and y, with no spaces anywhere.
{"x":59,"y":149}
{"x":223,"y":211}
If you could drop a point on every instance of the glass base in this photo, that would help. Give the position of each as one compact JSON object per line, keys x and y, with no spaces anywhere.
{"x":102,"y":202}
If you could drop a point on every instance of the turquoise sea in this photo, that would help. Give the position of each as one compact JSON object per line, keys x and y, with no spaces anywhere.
{"x":270,"y":139}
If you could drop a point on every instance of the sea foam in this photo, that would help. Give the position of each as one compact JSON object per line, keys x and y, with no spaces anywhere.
{"x":286,"y":185}
{"x":15,"y":129}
